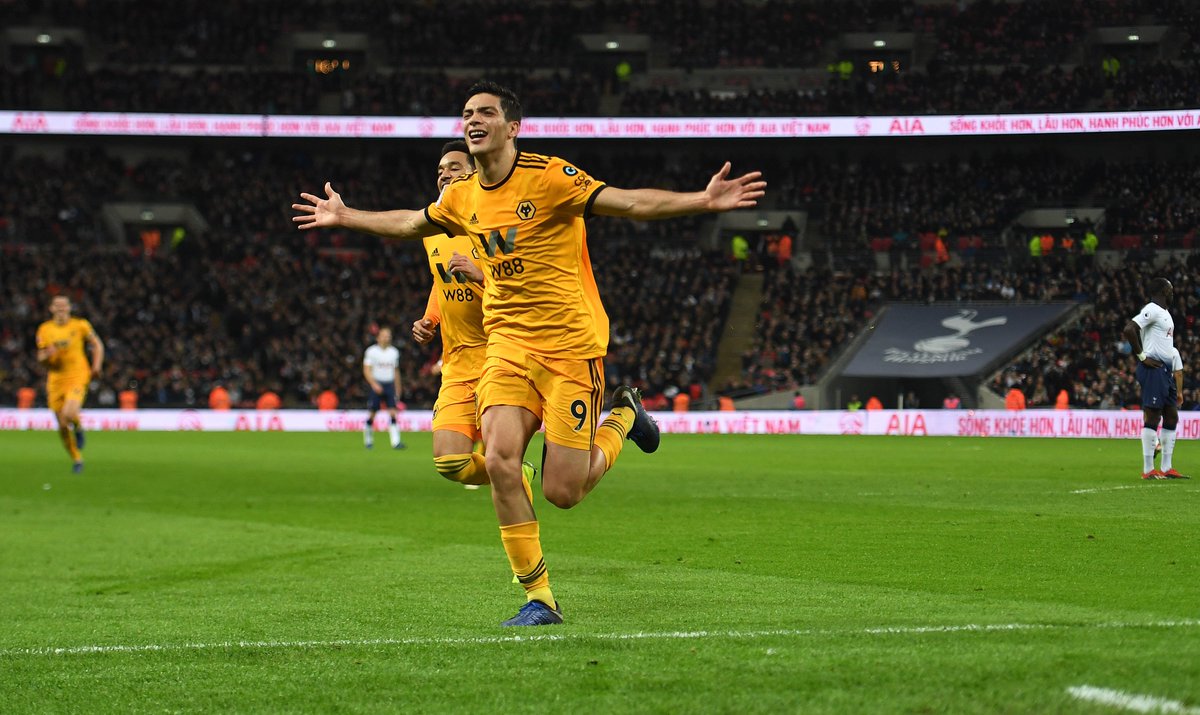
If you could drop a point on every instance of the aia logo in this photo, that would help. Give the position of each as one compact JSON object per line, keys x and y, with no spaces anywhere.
{"x":862,"y":126}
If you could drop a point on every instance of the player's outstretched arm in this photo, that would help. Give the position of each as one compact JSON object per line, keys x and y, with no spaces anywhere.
{"x":721,"y":194}
{"x":332,"y":212}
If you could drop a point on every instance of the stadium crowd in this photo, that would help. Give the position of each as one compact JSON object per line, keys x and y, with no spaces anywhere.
{"x":940,"y":89}
{"x":227,"y":305}
{"x":246,"y":286}
{"x":807,"y":318}
{"x":986,"y":57}
{"x":252,"y":306}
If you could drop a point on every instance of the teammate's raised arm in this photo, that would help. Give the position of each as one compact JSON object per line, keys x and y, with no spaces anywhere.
{"x":332,"y":212}
{"x":721,"y":194}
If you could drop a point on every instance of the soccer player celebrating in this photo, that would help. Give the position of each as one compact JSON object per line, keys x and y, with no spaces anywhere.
{"x":60,"y":347}
{"x":456,"y":305}
{"x":547,"y":330}
{"x":381,"y":368}
{"x":1151,"y":335}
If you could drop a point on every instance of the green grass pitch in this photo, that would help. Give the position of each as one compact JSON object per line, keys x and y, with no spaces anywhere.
{"x":253,"y":572}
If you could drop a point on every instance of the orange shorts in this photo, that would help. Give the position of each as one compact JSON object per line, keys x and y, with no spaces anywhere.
{"x":59,"y":391}
{"x":455,"y":409}
{"x":566,"y":394}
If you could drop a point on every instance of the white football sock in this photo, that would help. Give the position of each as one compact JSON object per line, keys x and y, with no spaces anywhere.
{"x":1148,"y":436}
{"x":1168,"y":445}
{"x":394,"y":433}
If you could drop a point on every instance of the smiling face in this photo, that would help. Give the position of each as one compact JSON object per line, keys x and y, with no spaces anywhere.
{"x":453,"y":165}
{"x":485,"y":128}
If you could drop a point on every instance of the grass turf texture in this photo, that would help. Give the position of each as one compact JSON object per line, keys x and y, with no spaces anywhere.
{"x":365,"y":583}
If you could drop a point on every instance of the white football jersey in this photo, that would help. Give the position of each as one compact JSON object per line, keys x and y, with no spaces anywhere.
{"x":383,"y":362}
{"x":1158,"y":331}
{"x":1176,"y":360}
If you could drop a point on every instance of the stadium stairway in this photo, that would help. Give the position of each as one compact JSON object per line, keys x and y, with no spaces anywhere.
{"x":738,"y":335}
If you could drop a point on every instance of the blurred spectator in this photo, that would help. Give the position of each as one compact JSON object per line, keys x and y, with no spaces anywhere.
{"x":327,"y":400}
{"x":268,"y":400}
{"x":218,"y":398}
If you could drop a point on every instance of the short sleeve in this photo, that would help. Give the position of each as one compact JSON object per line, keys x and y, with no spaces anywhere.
{"x":367,"y":358}
{"x":42,"y":341}
{"x":1146,"y":317}
{"x":444,"y":213}
{"x":571,"y":189}
{"x":88,"y":330}
{"x":1176,"y":360}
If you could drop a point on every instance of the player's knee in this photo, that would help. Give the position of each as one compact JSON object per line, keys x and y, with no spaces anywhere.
{"x":503,"y":468}
{"x":561,"y":495}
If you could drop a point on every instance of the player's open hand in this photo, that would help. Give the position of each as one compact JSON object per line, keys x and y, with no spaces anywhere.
{"x":465,"y":266}
{"x":726,"y":194}
{"x":319,"y":213}
{"x":422,"y":331}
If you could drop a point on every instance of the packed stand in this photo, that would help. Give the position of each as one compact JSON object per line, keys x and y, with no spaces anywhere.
{"x":971,"y":196}
{"x":1158,"y":201}
{"x":668,"y":303}
{"x":807,"y":317}
{"x":1090,"y":360}
{"x":254,"y":305}
{"x":163,"y":57}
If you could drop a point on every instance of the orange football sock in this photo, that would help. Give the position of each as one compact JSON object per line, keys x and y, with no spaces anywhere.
{"x":523,"y":545}
{"x":610,"y":437}
{"x":67,"y":435}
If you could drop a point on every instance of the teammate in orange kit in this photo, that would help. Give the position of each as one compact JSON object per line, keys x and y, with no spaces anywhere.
{"x":60,"y":347}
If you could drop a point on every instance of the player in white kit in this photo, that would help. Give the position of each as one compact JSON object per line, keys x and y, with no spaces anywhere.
{"x":1151,"y":335}
{"x":381,"y":368}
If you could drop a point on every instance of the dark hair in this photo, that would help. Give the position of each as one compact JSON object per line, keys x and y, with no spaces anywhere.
{"x":1159,"y":286}
{"x":509,"y":104}
{"x":458,"y":145}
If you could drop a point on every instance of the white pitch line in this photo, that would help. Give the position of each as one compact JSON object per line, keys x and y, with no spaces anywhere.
{"x":1107,"y":489}
{"x":670,"y":635}
{"x":1130,"y":701}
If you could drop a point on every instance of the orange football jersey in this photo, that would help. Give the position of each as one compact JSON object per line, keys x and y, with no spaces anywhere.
{"x":540,"y":295}
{"x":457,"y":305}
{"x":70,"y":362}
